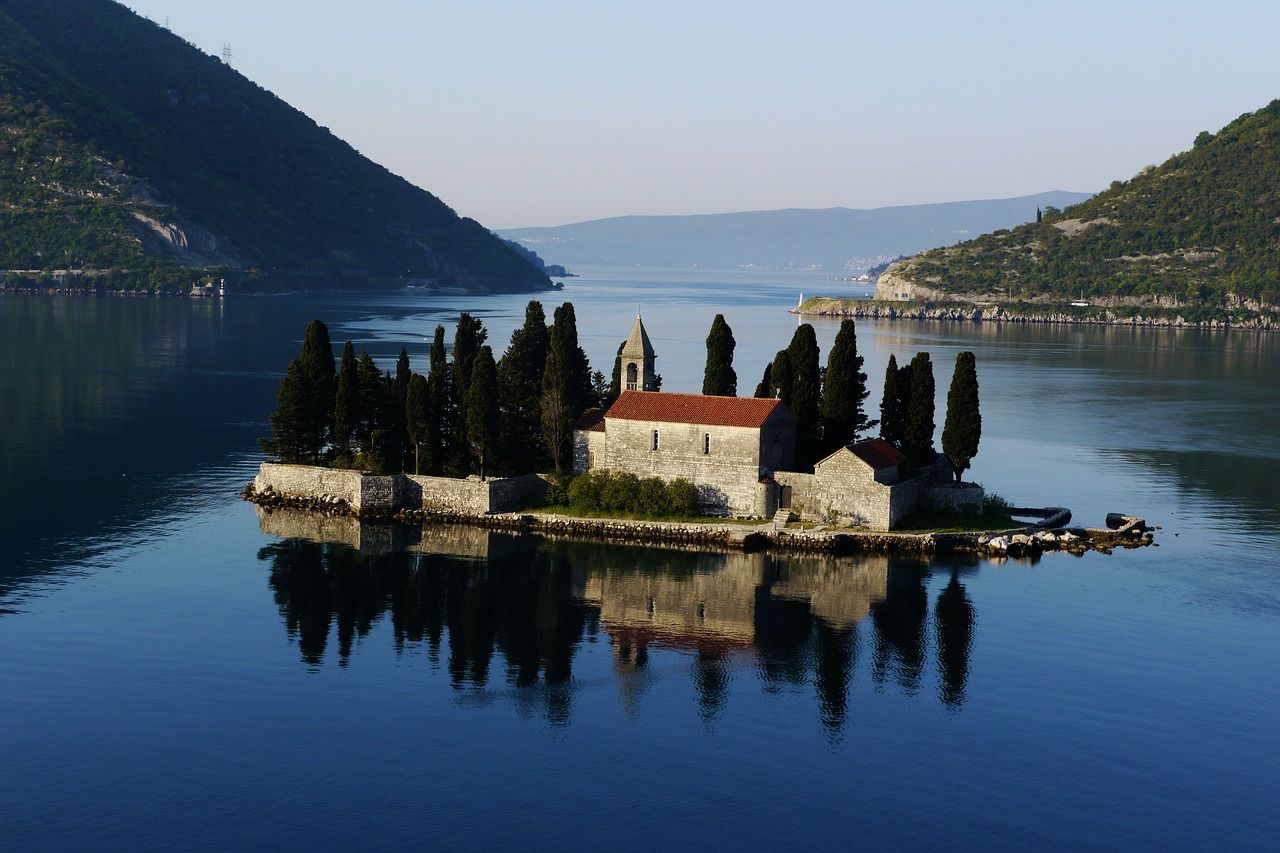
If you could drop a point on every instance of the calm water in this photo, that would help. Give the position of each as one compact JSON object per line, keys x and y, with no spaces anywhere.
{"x":176,"y":671}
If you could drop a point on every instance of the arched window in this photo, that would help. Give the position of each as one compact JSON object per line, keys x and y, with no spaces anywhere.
{"x":706,"y":443}
{"x":631,"y":378}
{"x":655,"y":439}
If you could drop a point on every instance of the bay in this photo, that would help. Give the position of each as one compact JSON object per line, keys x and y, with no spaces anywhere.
{"x":172,"y":674}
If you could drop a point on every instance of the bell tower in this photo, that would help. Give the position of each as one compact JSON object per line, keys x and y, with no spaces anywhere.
{"x":637,"y":360}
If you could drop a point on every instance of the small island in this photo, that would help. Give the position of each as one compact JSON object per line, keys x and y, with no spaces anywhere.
{"x":536,"y":441}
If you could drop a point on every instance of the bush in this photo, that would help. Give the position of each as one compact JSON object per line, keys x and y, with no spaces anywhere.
{"x":620,"y":493}
{"x":682,"y":497}
{"x":585,"y":491}
{"x":557,"y":493}
{"x":651,"y":498}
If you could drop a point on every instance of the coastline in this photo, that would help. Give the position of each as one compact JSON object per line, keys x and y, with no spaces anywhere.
{"x":822,"y":306}
{"x":1027,"y":541}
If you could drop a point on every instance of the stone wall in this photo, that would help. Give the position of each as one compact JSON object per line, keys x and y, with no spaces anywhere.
{"x":954,"y":497}
{"x":373,"y":495}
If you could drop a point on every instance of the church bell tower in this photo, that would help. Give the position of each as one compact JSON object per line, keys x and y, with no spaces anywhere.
{"x":637,"y":360}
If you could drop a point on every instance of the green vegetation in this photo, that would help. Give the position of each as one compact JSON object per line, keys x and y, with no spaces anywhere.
{"x":625,"y":495}
{"x":1201,"y":232}
{"x":963,"y":428}
{"x":844,"y":392}
{"x":719,"y":378}
{"x":471,"y":415}
{"x":131,"y":158}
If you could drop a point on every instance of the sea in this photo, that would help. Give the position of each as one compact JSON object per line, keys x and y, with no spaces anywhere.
{"x":180,"y":671}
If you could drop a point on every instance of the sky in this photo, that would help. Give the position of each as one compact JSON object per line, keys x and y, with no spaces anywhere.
{"x":551,"y":112}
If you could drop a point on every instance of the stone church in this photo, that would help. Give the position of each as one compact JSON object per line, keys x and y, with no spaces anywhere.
{"x":738,"y":451}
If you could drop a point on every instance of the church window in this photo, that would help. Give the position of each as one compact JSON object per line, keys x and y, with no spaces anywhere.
{"x":631,"y":378}
{"x":706,"y":443}
{"x":655,"y":439}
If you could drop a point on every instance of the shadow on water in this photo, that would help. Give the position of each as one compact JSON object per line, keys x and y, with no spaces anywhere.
{"x":493,"y":610}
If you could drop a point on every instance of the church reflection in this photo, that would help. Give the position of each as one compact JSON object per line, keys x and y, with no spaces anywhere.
{"x":491,"y":608}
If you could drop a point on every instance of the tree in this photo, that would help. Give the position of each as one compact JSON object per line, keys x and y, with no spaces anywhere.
{"x":318,"y":373}
{"x":372,"y":405}
{"x":574,"y":359}
{"x":844,"y":390}
{"x":765,"y":388}
{"x":468,"y":337}
{"x":417,"y":415}
{"x":520,"y":390}
{"x":346,"y":406}
{"x":296,"y":435}
{"x":719,"y":378}
{"x":891,"y":408}
{"x":444,"y":405}
{"x":806,"y":392}
{"x":917,"y":437}
{"x":599,"y":389}
{"x":482,"y":409}
{"x":963,"y":427}
{"x":557,"y":416}
{"x":397,"y":426}
{"x":615,"y":382}
{"x":780,"y":377}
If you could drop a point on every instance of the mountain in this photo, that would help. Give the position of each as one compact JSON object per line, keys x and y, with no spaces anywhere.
{"x":125,"y":149}
{"x":1201,"y":230}
{"x":836,"y":240}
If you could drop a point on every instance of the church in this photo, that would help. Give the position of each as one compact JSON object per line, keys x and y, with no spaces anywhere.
{"x":738,"y":451}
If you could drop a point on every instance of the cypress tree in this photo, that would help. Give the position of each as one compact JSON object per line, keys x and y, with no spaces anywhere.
{"x":397,"y":425}
{"x":296,"y":435}
{"x":718,"y":377}
{"x":574,"y":358}
{"x":482,"y":409}
{"x":346,"y":406}
{"x":844,"y":390}
{"x":439,"y":382}
{"x":520,"y":389}
{"x":891,"y":405}
{"x":963,"y":427}
{"x":318,"y":372}
{"x":468,"y":337}
{"x":780,"y":377}
{"x":806,"y":393}
{"x":918,"y":432}
{"x":557,"y":415}
{"x":372,"y":403}
{"x":417,"y":416}
{"x":765,"y":388}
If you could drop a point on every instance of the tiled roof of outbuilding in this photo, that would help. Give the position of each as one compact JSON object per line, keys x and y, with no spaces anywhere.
{"x":693,"y":409}
{"x":592,"y":420}
{"x":877,"y":453}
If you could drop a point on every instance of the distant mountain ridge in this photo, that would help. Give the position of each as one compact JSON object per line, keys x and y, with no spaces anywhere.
{"x":128,"y":151}
{"x":1200,"y":232}
{"x":835,"y":240}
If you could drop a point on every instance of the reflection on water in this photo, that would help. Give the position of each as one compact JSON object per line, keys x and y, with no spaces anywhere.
{"x":494,"y":608}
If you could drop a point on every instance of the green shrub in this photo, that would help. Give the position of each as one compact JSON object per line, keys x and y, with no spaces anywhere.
{"x":651,"y":497}
{"x":682,"y":497}
{"x":620,"y":493}
{"x":586,"y":490}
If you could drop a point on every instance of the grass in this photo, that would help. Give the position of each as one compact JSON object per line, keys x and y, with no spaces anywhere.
{"x":561,"y":509}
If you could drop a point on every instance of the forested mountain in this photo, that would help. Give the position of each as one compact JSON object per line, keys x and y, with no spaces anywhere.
{"x":836,"y":240}
{"x":1201,"y":229}
{"x":125,"y":149}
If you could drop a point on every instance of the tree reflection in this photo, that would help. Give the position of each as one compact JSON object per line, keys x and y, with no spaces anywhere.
{"x":509,"y":609}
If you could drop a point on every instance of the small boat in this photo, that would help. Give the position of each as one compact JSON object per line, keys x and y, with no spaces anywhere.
{"x":1080,"y":303}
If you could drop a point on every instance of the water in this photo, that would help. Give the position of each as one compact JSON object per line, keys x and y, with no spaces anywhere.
{"x":176,"y":672}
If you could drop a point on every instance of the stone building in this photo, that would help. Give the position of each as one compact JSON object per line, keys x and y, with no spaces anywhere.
{"x":739,"y":452}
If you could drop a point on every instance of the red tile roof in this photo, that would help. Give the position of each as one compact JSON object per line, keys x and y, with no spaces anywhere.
{"x":877,"y":453}
{"x":692,"y":409}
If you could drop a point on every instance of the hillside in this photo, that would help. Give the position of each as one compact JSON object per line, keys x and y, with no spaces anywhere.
{"x":126,"y":149}
{"x":836,"y":240}
{"x":1201,"y":230}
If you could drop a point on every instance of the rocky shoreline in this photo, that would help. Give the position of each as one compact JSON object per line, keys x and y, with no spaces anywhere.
{"x":1021,"y":542}
{"x":867,"y":309}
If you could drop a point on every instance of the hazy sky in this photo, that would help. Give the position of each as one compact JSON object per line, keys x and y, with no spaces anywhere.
{"x":548,"y":112}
